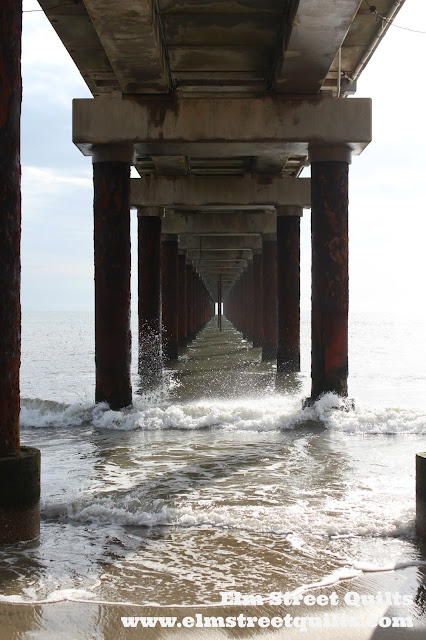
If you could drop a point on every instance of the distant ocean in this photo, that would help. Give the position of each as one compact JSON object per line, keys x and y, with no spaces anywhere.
{"x":218,"y":480}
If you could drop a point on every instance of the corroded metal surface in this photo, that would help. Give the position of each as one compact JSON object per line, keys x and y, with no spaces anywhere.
{"x":288,"y":289}
{"x":149,"y":294}
{"x":182,"y":322}
{"x":112,"y":283}
{"x":189,"y":302}
{"x":269,"y":347}
{"x":10,"y":223}
{"x":258,"y":300}
{"x":169,"y":295}
{"x":330,"y":281}
{"x":421,"y":495}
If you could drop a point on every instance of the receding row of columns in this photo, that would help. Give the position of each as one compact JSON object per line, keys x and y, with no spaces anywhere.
{"x":265,"y":302}
{"x":173,"y":302}
{"x":272,"y":283}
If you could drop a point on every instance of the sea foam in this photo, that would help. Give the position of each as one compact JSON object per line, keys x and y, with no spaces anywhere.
{"x":269,"y":413}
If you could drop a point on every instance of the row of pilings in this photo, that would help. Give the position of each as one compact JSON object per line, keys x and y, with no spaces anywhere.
{"x":264,"y":304}
{"x":173,"y":301}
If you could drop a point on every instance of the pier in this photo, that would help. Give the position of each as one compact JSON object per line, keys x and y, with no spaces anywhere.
{"x":218,"y":107}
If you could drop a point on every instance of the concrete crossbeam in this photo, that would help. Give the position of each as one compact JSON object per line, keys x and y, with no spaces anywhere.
{"x":220,"y":223}
{"x":316,"y":35}
{"x":132,"y":26}
{"x":224,"y":255}
{"x":219,"y":263}
{"x":208,"y":127}
{"x":195,"y":192}
{"x":205,"y":241}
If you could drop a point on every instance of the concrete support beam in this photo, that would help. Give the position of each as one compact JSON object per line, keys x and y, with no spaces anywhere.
{"x":122,"y":36}
{"x":209,"y":127}
{"x":19,"y":466}
{"x":315,"y":38}
{"x":169,"y":288}
{"x":205,"y":242}
{"x":149,"y":295}
{"x":195,"y":192}
{"x":219,"y":223}
{"x":111,"y":181}
{"x":227,"y":264}
{"x":330,"y":281}
{"x":224,"y":255}
{"x":288,"y":289}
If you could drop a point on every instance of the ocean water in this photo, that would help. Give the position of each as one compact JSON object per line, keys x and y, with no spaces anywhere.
{"x":217,"y":480}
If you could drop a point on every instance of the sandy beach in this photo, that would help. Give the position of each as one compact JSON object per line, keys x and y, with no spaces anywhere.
{"x":71,"y":620}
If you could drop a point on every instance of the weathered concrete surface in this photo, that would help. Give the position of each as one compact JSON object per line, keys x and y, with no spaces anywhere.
{"x":194,"y":192}
{"x":218,"y":47}
{"x":330,"y":279}
{"x":206,"y":242}
{"x":314,"y":39}
{"x":20,"y":496}
{"x":224,"y":255}
{"x":130,"y":35}
{"x":219,"y":223}
{"x":10,"y":223}
{"x":227,"y":264}
{"x":212,"y":126}
{"x":112,"y":283}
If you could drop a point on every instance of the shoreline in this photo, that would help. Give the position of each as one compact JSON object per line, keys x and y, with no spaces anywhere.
{"x":81,"y":620}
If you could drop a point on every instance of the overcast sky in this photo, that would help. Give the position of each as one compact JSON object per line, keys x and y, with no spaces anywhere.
{"x":387,"y":182}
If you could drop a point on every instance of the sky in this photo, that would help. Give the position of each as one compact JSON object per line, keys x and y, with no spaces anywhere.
{"x":387,"y":212}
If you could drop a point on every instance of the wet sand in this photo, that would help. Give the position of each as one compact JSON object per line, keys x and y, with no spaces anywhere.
{"x":72,"y":620}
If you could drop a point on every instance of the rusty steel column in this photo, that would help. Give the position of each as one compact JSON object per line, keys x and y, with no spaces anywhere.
{"x":269,"y":347}
{"x":251,"y":301}
{"x":111,"y":181}
{"x":169,"y":288}
{"x":10,"y":230}
{"x":219,"y":303}
{"x":288,"y":288}
{"x":189,"y":302}
{"x":258,"y":298}
{"x":182,"y":324}
{"x":19,"y":466}
{"x":149,"y":292}
{"x":330,"y":282}
{"x":421,"y":495}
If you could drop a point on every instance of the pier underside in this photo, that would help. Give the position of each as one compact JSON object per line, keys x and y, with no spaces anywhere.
{"x":218,"y":107}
